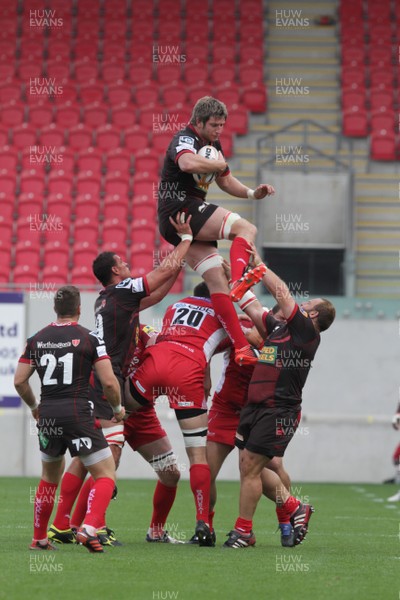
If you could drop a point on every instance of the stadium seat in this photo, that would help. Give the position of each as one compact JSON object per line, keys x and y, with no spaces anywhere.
{"x":24,"y":274}
{"x":196,"y":73}
{"x":174,"y":94}
{"x":226,"y":74}
{"x":5,"y":139}
{"x":89,"y":159}
{"x":149,"y":114}
{"x":123,"y":116}
{"x":67,"y":115}
{"x":146,"y":94}
{"x":32,"y":181}
{"x":140,"y":73}
{"x":222,"y":54}
{"x":95,"y":115}
{"x":381,"y":98}
{"x":52,"y":135}
{"x":112,"y":49}
{"x":12,"y":114}
{"x":27,"y":252}
{"x":199,"y":55}
{"x":24,"y":136}
{"x":80,"y":137}
{"x":85,"y":231}
{"x":69,"y":94}
{"x":255,"y":98}
{"x":88,"y":183}
{"x":107,"y":138}
{"x":228,"y":95}
{"x":351,"y":98}
{"x":353,"y":56}
{"x":58,"y":50}
{"x":83,"y":275}
{"x":168,"y":73}
{"x":85,"y":70}
{"x":58,"y":70}
{"x":355,"y":122}
{"x":147,"y":160}
{"x":60,"y":182}
{"x":238,"y":119}
{"x":8,"y":158}
{"x":87,"y":205}
{"x":114,"y":230}
{"x":62,"y":157}
{"x":161,"y":141}
{"x":83,"y":254}
{"x":55,"y":274}
{"x":118,"y":159}
{"x":84,"y":49}
{"x":115,"y":207}
{"x":143,"y":231}
{"x":112,"y":71}
{"x":385,"y":119}
{"x":197,"y":91}
{"x":59,"y":205}
{"x":383,"y":145}
{"x":40,"y":114}
{"x":146,"y":211}
{"x":7,"y":183}
{"x":91,"y":92}
{"x":30,"y":70}
{"x":135,"y":138}
{"x":55,"y":253}
{"x":120,"y":93}
{"x":352,"y":75}
{"x":251,"y":75}
{"x":117,"y":183}
{"x":7,"y":71}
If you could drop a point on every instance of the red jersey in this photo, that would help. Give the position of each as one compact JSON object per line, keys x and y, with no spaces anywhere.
{"x":193,"y":327}
{"x":146,"y":332}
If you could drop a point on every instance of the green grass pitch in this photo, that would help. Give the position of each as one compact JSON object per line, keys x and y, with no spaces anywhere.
{"x":352,"y":551}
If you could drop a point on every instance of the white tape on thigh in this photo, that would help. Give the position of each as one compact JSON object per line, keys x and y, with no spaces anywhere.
{"x":195,"y":438}
{"x":95,"y":457}
{"x":163,"y":461}
{"x":50,"y":459}
{"x":226,"y":226}
{"x":114,"y":435}
{"x":209,"y":262}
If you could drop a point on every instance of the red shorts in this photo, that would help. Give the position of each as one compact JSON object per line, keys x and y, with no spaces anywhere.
{"x":223,"y":421}
{"x":143,"y":427}
{"x":168,"y":371}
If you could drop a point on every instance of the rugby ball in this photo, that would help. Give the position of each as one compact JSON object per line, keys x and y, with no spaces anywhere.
{"x":212,"y":154}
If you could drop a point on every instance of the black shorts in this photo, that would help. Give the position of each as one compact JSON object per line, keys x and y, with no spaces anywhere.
{"x":267,"y":431}
{"x":200,"y":211}
{"x":101,"y":407}
{"x":82,"y":438}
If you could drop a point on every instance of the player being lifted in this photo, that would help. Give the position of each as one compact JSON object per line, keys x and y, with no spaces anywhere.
{"x":179,"y":192}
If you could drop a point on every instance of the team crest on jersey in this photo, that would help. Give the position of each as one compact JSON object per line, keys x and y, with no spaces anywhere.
{"x":76,"y":343}
{"x":268,"y":355}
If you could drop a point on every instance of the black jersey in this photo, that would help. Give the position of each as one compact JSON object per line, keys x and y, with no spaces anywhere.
{"x":63,"y":355}
{"x":284,"y":361}
{"x":117,"y":320}
{"x":175,"y":185}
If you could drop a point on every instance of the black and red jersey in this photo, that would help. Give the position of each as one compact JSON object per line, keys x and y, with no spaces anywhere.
{"x":285,"y":360}
{"x":63,"y":355}
{"x":176,"y":185}
{"x":117,"y":320}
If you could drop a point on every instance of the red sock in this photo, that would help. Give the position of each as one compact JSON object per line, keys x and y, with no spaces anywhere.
{"x":70,"y":486}
{"x":200,"y":481}
{"x":239,"y":257}
{"x":211,"y":519}
{"x":98,"y":501}
{"x":44,"y":502}
{"x":81,"y":503}
{"x":226,"y":314}
{"x":243,"y":525}
{"x":163,"y":500}
{"x":285,"y":512}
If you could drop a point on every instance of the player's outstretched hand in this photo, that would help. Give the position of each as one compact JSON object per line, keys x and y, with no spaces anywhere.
{"x":396,"y":421}
{"x":262,"y":190}
{"x":227,"y":269}
{"x":255,"y":258}
{"x":181,"y":223}
{"x":119,"y":416}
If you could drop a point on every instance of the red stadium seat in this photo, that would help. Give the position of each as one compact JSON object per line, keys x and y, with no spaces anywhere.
{"x":136,"y":138}
{"x":168,"y":73}
{"x":4,"y":136}
{"x":352,"y":75}
{"x":32,"y":181}
{"x":161,"y":141}
{"x":85,"y":70}
{"x":149,"y":115}
{"x":59,"y":206}
{"x":119,"y":93}
{"x":7,"y":71}
{"x":55,"y":253}
{"x":91,"y":92}
{"x":90,"y":159}
{"x":251,"y":75}
{"x":55,"y":274}
{"x":58,"y":70}
{"x":52,"y":135}
{"x":118,"y":159}
{"x":174,"y":94}
{"x":383,"y":120}
{"x":223,"y":54}
{"x":238,"y":119}
{"x":355,"y":122}
{"x":85,"y":231}
{"x":95,"y":115}
{"x":226,"y":74}
{"x":7,"y":183}
{"x":123,"y":116}
{"x":143,"y":231}
{"x":80,"y":137}
{"x":8,"y":158}
{"x":383,"y":145}
{"x":24,"y":136}
{"x":114,"y":230}
{"x":228,"y":95}
{"x":83,"y":254}
{"x":88,"y":183}
{"x":84,"y":49}
{"x":82,"y":275}
{"x":112,"y":49}
{"x":380,"y":99}
{"x":107,"y":138}
{"x":112,"y":71}
{"x":115,"y":207}
{"x":140,"y":73}
{"x":60,"y":182}
{"x":69,"y":94}
{"x":147,"y":160}
{"x":41,"y":114}
{"x":67,"y":115}
{"x":350,"y":99}
{"x":353,"y":56}
{"x":117,"y":183}
{"x":62,"y":158}
{"x":146,"y":211}
{"x":87,"y":206}
{"x":30,"y":70}
{"x":12,"y":114}
{"x":254,"y":98}
{"x":58,"y":50}
{"x":197,"y":91}
{"x":196,"y":73}
{"x":197,"y":53}
{"x":24,"y":274}
{"x":146,"y":93}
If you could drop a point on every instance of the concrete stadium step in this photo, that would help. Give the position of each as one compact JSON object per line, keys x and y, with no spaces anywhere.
{"x":312,"y":74}
{"x":378,"y":215}
{"x":382,"y":201}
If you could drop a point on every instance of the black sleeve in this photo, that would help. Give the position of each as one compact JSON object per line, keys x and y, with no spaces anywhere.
{"x":301,"y":328}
